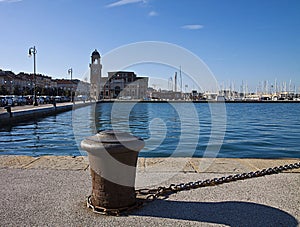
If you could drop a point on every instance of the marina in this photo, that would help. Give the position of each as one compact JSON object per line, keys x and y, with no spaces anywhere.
{"x":150,"y":113}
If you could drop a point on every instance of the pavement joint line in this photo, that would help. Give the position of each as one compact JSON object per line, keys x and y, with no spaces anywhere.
{"x":248,"y":164}
{"x":195,"y":168}
{"x":187,"y":165}
{"x":86,"y":168}
{"x":28,"y":164}
{"x":144,"y":163}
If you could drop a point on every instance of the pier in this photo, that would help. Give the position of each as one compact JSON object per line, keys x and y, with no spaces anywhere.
{"x":28,"y":112}
{"x":51,"y":190}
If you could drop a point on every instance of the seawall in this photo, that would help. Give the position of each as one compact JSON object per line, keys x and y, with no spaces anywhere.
{"x":26,"y":113}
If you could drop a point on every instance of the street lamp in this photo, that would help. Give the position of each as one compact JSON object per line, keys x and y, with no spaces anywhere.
{"x":70,"y":72}
{"x":32,"y":50}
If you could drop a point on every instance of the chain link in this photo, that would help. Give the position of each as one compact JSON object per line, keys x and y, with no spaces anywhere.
{"x":148,"y":195}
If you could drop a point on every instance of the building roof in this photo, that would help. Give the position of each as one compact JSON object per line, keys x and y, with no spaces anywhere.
{"x":67,"y":81}
{"x":95,"y":53}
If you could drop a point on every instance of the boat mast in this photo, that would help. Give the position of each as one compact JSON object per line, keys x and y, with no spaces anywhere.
{"x":175,"y":81}
{"x":180,"y":79}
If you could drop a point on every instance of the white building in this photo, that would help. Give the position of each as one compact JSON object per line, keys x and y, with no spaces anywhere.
{"x":95,"y":75}
{"x":118,"y":85}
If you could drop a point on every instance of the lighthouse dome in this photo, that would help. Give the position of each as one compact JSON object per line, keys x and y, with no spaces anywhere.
{"x":95,"y":54}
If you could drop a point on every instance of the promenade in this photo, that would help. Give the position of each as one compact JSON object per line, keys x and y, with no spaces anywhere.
{"x":31,"y":107}
{"x":51,"y":191}
{"x":29,"y":112}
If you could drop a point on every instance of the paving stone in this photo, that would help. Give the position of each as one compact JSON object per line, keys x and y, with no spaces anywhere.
{"x":219,"y":165}
{"x":60,"y":163}
{"x":168,"y":165}
{"x":141,"y":164}
{"x":17,"y":162}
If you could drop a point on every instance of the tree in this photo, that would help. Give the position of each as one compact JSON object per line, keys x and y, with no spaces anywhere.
{"x":17,"y":90}
{"x":3,"y":90}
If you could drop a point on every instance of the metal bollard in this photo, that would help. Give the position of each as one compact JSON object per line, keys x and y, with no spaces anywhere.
{"x":113,"y":158}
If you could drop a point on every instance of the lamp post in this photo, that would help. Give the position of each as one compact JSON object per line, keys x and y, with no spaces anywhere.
{"x":70,"y":72}
{"x":32,"y":50}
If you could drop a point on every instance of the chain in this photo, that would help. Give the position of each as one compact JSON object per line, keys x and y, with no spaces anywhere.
{"x":112,"y":212}
{"x":149,"y":195}
{"x":153,"y":194}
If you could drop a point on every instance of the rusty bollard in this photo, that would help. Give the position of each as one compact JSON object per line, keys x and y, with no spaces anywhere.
{"x":113,"y":158}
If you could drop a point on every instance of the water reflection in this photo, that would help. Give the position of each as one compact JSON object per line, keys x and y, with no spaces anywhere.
{"x":52,"y":135}
{"x":157,"y":126}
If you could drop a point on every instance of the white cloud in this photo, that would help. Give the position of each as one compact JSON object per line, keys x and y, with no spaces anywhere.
{"x":192,"y":26}
{"x":152,"y":14}
{"x":125,"y":2}
{"x":10,"y":1}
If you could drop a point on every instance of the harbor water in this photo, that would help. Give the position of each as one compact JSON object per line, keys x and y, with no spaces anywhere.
{"x":248,"y":130}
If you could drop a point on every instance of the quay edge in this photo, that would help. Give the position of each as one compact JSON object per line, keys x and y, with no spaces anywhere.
{"x":37,"y":112}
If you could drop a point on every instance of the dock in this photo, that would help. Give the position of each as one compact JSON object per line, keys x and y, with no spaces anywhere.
{"x":52,"y":191}
{"x":29,"y":112}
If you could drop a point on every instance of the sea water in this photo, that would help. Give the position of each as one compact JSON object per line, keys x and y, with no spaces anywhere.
{"x":233,"y":130}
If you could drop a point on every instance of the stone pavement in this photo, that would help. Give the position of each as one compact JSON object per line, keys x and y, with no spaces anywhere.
{"x":51,"y":191}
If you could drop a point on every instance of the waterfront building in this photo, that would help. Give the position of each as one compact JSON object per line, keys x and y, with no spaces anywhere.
{"x":66,"y":87}
{"x":43,"y":84}
{"x":166,"y":95}
{"x":124,"y":85}
{"x":7,"y":81}
{"x":95,"y":75}
{"x":24,"y":83}
{"x":73,"y":87}
{"x":119,"y":84}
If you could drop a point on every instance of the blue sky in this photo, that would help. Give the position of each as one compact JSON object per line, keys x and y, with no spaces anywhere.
{"x":239,"y":40}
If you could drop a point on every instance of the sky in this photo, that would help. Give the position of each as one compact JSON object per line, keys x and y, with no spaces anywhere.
{"x":240,"y":41}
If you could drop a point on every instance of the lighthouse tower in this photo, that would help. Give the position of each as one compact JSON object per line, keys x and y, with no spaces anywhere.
{"x":95,"y":75}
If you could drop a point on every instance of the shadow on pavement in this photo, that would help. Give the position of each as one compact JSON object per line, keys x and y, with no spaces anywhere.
{"x":229,"y":213}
